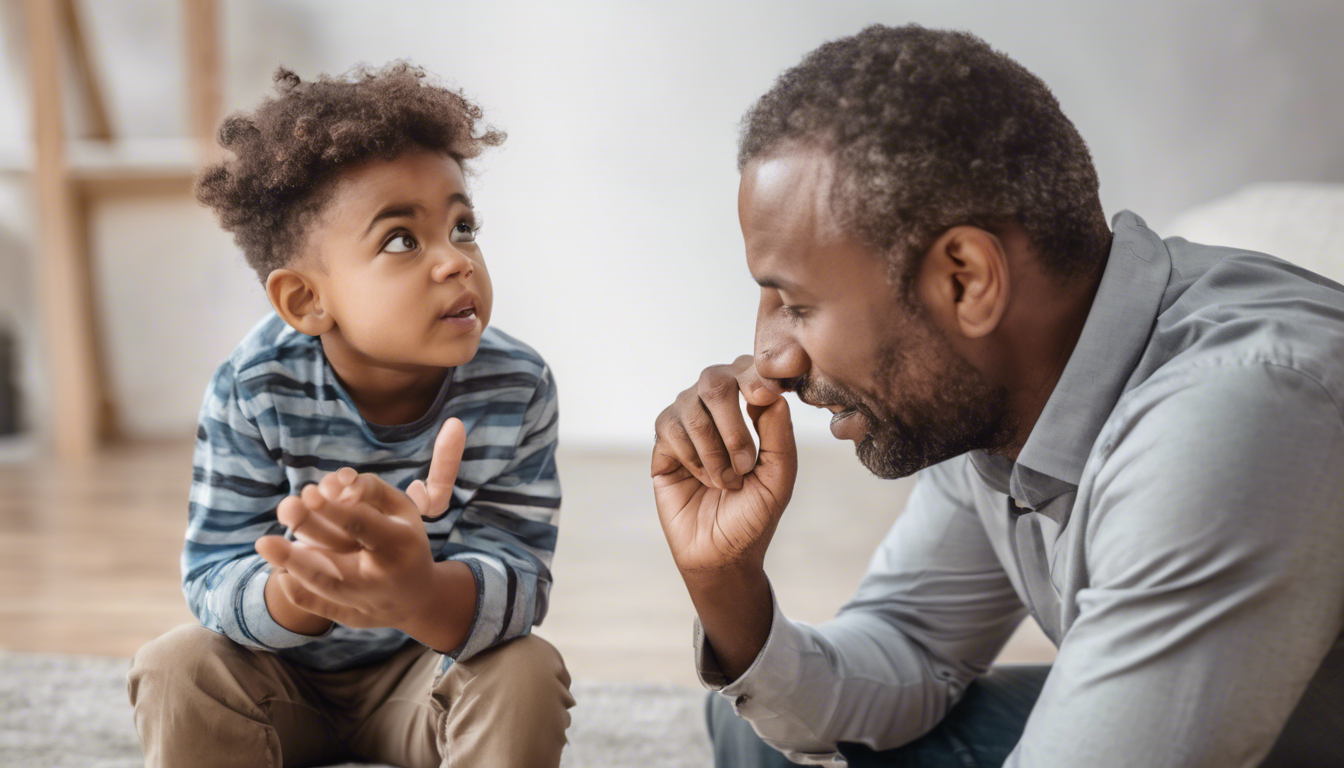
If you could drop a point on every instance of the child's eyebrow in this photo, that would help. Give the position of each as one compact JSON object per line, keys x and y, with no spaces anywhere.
{"x":394,"y":211}
{"x":410,"y":210}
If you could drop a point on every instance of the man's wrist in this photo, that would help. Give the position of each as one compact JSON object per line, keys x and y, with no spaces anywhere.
{"x":743,"y":571}
{"x":736,"y":609}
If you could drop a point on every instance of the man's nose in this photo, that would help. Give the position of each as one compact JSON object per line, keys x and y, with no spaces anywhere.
{"x":779,"y":359}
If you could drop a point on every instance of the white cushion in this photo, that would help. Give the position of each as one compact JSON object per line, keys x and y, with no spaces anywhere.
{"x":1295,"y":221}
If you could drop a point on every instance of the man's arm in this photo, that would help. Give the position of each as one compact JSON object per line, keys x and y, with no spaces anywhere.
{"x":932,"y":613}
{"x":1216,"y":561}
{"x":719,"y":501}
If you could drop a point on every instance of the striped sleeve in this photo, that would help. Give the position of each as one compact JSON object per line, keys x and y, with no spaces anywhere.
{"x":235,"y":489}
{"x":510,"y":527}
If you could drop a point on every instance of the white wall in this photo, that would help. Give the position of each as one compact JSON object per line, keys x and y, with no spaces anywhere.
{"x":610,"y":219}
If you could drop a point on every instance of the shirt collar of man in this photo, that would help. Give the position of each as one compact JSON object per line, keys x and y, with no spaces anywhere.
{"x":1113,"y":339}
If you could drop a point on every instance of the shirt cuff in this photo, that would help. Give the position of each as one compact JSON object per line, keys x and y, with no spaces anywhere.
{"x":256,"y":620}
{"x":504,"y":604}
{"x":774,"y":671}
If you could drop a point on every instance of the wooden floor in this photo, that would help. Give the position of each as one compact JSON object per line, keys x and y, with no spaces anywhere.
{"x":89,"y":557}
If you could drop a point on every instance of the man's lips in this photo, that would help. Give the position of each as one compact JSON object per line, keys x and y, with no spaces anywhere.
{"x":849,"y":425}
{"x":844,"y":425}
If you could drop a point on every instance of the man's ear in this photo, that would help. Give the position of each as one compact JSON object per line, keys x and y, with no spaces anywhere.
{"x":964,"y":281}
{"x":298,"y":302}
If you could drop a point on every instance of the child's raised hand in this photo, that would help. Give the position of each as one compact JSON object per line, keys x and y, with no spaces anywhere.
{"x":433,"y":495}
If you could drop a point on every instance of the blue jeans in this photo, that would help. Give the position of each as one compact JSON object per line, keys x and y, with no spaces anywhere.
{"x":978,"y":732}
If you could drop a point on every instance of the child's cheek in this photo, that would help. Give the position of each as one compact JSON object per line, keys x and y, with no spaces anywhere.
{"x":485,"y":292}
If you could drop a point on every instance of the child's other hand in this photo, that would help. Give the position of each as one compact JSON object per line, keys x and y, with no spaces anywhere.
{"x":387,"y":580}
{"x":432,"y":496}
{"x":314,"y":530}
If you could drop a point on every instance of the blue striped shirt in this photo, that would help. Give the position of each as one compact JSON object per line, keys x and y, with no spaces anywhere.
{"x":276,"y":418}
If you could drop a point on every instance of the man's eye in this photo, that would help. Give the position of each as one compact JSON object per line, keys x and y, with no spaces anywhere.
{"x":401,"y":244}
{"x":792,"y":312}
{"x":463,"y":232}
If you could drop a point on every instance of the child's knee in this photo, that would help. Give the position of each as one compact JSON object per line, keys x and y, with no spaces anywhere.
{"x":522,"y":664}
{"x":188,"y":655}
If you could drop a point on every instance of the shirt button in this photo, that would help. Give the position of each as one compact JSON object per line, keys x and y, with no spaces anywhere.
{"x":739,"y":701}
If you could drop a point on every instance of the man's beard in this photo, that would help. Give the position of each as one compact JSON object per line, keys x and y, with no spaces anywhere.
{"x":945,"y":407}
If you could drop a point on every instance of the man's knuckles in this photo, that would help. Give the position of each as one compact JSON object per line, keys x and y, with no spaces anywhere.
{"x":716,"y":383}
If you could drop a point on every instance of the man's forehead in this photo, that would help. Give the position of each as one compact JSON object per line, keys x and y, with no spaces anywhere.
{"x":796,"y":182}
{"x":784,"y":205}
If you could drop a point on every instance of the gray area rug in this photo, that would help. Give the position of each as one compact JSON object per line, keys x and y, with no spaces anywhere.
{"x":71,"y":712}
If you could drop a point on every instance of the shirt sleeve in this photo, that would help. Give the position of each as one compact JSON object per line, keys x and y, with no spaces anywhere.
{"x":1215,"y":552}
{"x":236,"y":487}
{"x":510,"y":528}
{"x":930,"y":615}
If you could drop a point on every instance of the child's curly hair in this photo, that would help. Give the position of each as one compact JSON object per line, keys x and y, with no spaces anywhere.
{"x":289,"y":148}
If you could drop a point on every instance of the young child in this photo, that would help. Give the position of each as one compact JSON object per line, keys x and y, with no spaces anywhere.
{"x":393,"y":626}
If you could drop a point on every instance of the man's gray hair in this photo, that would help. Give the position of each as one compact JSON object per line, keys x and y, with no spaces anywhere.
{"x":933,"y":129}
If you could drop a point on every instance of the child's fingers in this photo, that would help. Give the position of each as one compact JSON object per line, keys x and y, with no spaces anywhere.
{"x":312,"y":602}
{"x":420,"y":495}
{"x":363,"y":523}
{"x":312,"y":567}
{"x":312,"y":496}
{"x":377,"y":493}
{"x":334,"y":484}
{"x":312,"y":529}
{"x":273,"y":549}
{"x":443,"y":467}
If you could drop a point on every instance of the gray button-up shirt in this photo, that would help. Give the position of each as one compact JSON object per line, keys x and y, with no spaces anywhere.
{"x":1175,"y":522}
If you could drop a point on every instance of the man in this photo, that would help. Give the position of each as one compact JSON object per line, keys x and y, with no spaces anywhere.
{"x":1136,"y":442}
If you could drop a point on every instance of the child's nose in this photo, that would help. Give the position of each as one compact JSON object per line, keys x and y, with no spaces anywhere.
{"x":451,"y":263}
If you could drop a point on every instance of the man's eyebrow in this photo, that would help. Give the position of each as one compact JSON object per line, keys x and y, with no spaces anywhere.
{"x":409,"y":210}
{"x":778,"y":283}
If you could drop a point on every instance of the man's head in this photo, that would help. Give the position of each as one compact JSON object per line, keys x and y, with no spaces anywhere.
{"x":933,"y":129}
{"x":348,"y":197}
{"x":905,"y":192}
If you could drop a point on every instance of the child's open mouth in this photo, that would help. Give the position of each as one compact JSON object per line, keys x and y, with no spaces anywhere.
{"x":461,"y":313}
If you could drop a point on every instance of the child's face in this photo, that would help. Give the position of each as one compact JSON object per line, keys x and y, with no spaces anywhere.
{"x":396,"y":264}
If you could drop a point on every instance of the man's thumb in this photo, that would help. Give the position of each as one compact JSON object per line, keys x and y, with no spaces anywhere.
{"x":774,"y":427}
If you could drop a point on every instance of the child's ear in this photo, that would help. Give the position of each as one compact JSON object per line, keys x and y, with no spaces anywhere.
{"x":297,"y":300}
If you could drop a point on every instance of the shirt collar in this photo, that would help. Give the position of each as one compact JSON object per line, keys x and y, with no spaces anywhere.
{"x":1114,"y":336}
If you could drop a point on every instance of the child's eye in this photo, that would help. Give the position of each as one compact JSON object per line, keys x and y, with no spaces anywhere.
{"x":401,"y":244}
{"x":464,"y":232}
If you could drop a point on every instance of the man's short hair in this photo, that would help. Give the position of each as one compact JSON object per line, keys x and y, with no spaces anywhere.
{"x":933,"y":129}
{"x":289,"y":148}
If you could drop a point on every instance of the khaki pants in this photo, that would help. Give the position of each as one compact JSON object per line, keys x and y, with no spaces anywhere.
{"x":202,"y":700}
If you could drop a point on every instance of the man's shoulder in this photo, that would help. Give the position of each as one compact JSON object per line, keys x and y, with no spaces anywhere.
{"x":1230,"y":314}
{"x":1213,"y":412}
